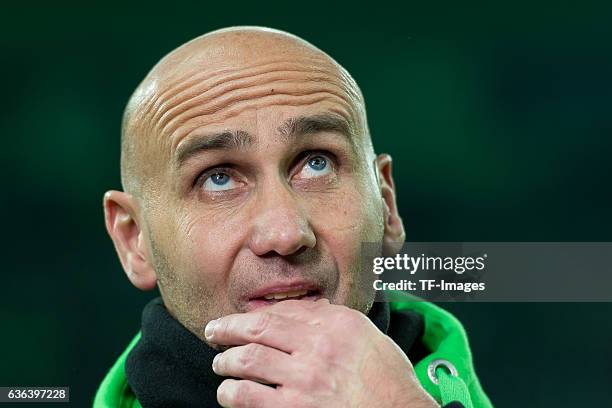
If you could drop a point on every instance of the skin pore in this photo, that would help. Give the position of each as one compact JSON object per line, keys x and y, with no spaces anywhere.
{"x":248,"y":168}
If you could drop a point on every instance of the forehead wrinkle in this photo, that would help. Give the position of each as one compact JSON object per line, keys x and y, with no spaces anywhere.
{"x":179,"y":87}
{"x":139,"y":108}
{"x":231,"y":94}
{"x":174,"y":75}
{"x":164,"y":98}
{"x":260,"y":99}
{"x":183,"y":82}
{"x":207,"y":93}
{"x":239,"y":108}
{"x":215,"y":85}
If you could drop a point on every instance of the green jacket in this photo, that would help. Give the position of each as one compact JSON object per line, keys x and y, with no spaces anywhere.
{"x":444,"y":335}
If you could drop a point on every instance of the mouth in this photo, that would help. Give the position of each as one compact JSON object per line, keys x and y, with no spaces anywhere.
{"x":271,"y":296}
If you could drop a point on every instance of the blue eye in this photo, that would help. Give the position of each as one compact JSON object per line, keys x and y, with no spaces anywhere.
{"x":219,"y":182}
{"x":219,"y":179}
{"x":317,"y":163}
{"x":316,"y":166}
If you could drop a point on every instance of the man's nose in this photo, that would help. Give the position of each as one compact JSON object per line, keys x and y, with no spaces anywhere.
{"x":280,"y":224}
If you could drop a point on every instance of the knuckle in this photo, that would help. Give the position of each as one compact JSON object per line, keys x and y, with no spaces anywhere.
{"x":340,"y":311}
{"x":223,"y":326}
{"x":260,"y":325}
{"x":324,"y":348}
{"x":250,"y":355}
{"x":352,"y":317}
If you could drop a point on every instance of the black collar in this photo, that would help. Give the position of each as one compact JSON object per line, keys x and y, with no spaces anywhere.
{"x":171,"y":367}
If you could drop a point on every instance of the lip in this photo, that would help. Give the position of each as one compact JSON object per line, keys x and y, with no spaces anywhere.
{"x":256,"y":299}
{"x":279,"y":287}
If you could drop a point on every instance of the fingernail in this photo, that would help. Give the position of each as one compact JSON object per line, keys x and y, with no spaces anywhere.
{"x":210,"y":329}
{"x":214,"y":364}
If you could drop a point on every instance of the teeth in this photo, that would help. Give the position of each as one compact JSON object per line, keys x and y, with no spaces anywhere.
{"x":284,"y":295}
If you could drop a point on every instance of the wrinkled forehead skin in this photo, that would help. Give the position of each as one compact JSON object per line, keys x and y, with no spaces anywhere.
{"x":221,"y":75}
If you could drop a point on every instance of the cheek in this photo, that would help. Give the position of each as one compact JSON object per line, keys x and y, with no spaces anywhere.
{"x":209,"y":243}
{"x":351,"y":213}
{"x":343,"y":221}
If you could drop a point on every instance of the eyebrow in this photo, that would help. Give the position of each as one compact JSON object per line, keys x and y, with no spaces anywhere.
{"x":226,"y":140}
{"x":325,"y":122}
{"x":292,"y":128}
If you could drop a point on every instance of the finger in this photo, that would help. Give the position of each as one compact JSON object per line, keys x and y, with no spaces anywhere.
{"x":302,"y":310}
{"x":265,"y":328}
{"x":247,"y":394}
{"x":257,"y":363}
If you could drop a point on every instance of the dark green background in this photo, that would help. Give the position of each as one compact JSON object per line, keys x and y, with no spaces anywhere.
{"x":498,"y":117}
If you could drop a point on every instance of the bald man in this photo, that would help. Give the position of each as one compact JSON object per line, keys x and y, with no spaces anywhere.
{"x":250,"y":182}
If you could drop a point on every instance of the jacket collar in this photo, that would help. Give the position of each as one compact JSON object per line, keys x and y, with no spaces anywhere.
{"x":444,"y":337}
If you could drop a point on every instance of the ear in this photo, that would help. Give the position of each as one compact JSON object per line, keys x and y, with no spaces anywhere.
{"x":394,"y":234}
{"x":120,"y":216}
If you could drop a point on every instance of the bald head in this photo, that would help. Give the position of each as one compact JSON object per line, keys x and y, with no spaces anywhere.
{"x":247,"y":164}
{"x":220,"y":75}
